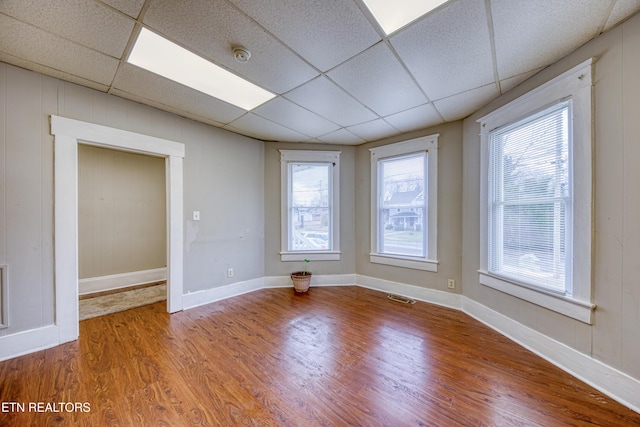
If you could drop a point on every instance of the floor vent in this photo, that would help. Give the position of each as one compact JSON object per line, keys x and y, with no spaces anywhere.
{"x":400,"y":298}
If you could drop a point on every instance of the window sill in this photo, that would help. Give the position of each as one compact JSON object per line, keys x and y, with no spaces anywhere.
{"x":311,"y":256}
{"x":579,"y":310}
{"x":397,"y":261}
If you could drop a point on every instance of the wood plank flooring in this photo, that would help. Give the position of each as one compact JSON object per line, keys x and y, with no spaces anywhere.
{"x":343,"y":356}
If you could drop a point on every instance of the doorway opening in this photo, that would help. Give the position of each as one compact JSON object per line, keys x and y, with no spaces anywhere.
{"x":68,"y":134}
{"x":122,"y":236}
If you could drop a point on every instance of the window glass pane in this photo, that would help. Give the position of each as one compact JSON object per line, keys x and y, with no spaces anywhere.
{"x":534,"y":246}
{"x":402,"y":209}
{"x":531,"y":202}
{"x":309,"y":207}
{"x":535,"y":156}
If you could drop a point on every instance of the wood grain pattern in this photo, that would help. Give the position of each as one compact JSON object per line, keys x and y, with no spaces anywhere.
{"x":333,"y":357}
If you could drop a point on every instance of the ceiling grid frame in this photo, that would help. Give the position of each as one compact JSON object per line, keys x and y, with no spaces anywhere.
{"x":346,"y":42}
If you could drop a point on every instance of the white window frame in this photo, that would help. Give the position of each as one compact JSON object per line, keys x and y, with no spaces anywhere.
{"x":576,"y":85}
{"x":297,"y":156}
{"x":429,"y":144}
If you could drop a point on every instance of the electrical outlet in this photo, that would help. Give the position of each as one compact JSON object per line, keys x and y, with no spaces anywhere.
{"x":451,"y":284}
{"x":229,"y":272}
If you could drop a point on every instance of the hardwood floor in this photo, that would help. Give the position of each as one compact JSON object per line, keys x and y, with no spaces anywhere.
{"x":343,"y":356}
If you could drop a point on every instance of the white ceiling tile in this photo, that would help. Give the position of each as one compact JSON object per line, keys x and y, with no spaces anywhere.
{"x":373,"y":130}
{"x":211,"y":28}
{"x":621,"y":10}
{"x":325,"y":33}
{"x":450,"y":51}
{"x":260,"y":128}
{"x":342,"y":137}
{"x":84,"y":22}
{"x":377,"y":79}
{"x":537,"y":33}
{"x":39,"y":47}
{"x":130,"y":7}
{"x":294,"y":117}
{"x":415,"y":118}
{"x":459,"y":106}
{"x":323,"y":97}
{"x":162,"y":91}
{"x":367,"y":91}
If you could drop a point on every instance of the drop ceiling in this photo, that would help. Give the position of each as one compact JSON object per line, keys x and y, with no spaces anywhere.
{"x":338,"y":78}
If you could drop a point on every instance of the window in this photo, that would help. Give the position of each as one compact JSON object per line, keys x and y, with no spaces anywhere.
{"x":536,"y":221}
{"x":531,"y":201}
{"x":404,"y":204}
{"x":310,"y":205}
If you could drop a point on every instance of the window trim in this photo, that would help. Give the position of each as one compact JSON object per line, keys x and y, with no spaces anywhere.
{"x":294,"y":156}
{"x":575,"y":84}
{"x":426,"y":143}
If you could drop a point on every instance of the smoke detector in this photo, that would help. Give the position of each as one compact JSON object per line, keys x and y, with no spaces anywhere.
{"x":241,"y":54}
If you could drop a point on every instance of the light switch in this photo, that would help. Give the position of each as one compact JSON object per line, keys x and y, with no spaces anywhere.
{"x":196,"y":215}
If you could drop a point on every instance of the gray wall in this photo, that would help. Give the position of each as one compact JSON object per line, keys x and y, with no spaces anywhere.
{"x":614,"y":337}
{"x":235,"y":183}
{"x":122,"y":225}
{"x":223,"y":179}
{"x":449,"y":212}
{"x":273,"y":265}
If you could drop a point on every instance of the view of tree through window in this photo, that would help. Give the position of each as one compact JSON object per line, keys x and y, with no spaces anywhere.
{"x":531,"y":203}
{"x":402,"y":206}
{"x":310,"y":210}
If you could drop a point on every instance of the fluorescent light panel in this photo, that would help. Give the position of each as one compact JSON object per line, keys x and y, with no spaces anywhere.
{"x":160,"y":56}
{"x":393,"y":15}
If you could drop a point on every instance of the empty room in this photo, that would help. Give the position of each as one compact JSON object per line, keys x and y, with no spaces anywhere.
{"x":320,"y":213}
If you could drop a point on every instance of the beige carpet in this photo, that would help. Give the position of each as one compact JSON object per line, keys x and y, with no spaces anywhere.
{"x":106,"y":304}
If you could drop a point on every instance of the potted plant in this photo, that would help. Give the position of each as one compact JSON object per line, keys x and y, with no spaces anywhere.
{"x":301,"y":279}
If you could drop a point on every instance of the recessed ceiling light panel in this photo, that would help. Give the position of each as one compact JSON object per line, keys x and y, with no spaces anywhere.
{"x":393,"y":15}
{"x":160,"y":56}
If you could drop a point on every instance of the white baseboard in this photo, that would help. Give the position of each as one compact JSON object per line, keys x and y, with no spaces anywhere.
{"x":30,"y":341}
{"x":196,"y":299}
{"x":316,"y":280}
{"x":615,"y":384}
{"x":123,"y":280}
{"x":432,"y":296}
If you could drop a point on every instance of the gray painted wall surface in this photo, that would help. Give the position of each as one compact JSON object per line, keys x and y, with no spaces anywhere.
{"x":449,"y":211}
{"x":223,"y":179}
{"x":122,"y":225}
{"x":614,"y":337}
{"x":273,"y":265}
{"x":235,"y":183}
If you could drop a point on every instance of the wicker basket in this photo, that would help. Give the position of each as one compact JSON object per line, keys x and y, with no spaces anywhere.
{"x":301,"y":281}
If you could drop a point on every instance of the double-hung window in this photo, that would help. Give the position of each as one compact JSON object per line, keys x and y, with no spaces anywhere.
{"x":531,"y":200}
{"x":404,"y":204}
{"x":310,"y":205}
{"x":536,"y":196}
